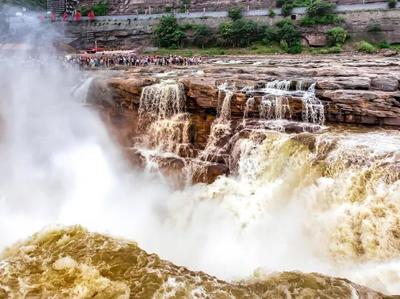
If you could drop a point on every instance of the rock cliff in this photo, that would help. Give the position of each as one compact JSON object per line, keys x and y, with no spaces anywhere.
{"x":348,"y":90}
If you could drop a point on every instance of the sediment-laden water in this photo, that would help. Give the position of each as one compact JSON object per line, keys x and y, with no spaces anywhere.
{"x":324,"y":200}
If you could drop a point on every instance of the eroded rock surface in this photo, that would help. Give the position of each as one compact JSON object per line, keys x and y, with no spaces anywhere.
{"x":354,"y":90}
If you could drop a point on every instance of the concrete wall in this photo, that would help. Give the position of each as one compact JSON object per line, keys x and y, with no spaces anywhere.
{"x":133,"y":33}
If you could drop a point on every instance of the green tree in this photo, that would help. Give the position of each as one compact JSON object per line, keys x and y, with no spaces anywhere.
{"x":101,"y":8}
{"x":168,"y":33}
{"x":337,"y":36}
{"x":287,"y":8}
{"x":392,"y":3}
{"x":271,"y":13}
{"x":202,"y":35}
{"x":240,"y":33}
{"x":235,"y":13}
{"x":320,"y":8}
{"x":289,"y":37}
{"x":320,"y":12}
{"x":270,"y":35}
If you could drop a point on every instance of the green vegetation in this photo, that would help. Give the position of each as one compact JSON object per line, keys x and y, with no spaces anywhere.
{"x":392,"y":3}
{"x":185,"y":4}
{"x":289,"y":37}
{"x":366,"y":47}
{"x":271,"y":13}
{"x":270,"y":35}
{"x":168,"y":33}
{"x":327,"y":50}
{"x":384,"y":45}
{"x":374,"y":27}
{"x":202,"y":36}
{"x":287,"y":8}
{"x":239,"y":32}
{"x":255,"y":49}
{"x":320,"y":12}
{"x":99,"y":9}
{"x":235,"y":13}
{"x":337,"y":36}
{"x":288,"y":5}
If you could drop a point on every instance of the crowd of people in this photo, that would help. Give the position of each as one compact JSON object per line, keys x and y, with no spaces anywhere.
{"x":107,"y":61}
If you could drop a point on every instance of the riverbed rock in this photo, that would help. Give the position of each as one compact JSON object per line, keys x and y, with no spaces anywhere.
{"x":355,"y":90}
{"x":385,"y":83}
{"x":316,"y":39}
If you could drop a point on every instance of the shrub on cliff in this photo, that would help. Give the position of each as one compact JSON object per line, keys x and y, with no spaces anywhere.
{"x":337,"y":36}
{"x":235,"y":13}
{"x":167,"y":32}
{"x":202,"y":35}
{"x":366,"y":47}
{"x":392,"y":3}
{"x":270,"y":35}
{"x":287,"y":8}
{"x":240,"y":33}
{"x":100,"y":9}
{"x":271,"y":13}
{"x":320,"y":12}
{"x":289,"y":37}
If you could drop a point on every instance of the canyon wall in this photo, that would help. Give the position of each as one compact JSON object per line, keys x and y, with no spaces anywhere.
{"x":133,"y":33}
{"x":120,"y":7}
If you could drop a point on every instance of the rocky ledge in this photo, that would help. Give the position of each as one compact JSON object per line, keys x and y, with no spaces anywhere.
{"x":355,"y":90}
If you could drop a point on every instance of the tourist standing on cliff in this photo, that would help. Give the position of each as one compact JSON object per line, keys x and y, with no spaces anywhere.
{"x":91,"y":16}
{"x":77,"y":16}
{"x":65,"y":16}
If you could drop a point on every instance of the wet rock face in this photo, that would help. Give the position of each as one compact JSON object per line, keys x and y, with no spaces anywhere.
{"x":357,"y":90}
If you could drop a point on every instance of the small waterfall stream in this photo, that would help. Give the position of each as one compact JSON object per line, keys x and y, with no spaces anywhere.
{"x":275,"y":101}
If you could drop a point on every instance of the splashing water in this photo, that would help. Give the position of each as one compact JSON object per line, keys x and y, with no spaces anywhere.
{"x":81,"y":91}
{"x":275,"y":103}
{"x":326,"y":202}
{"x":313,"y":109}
{"x":162,"y":100}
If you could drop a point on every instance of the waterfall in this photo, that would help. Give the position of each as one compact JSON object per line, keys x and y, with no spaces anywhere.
{"x":313,"y":109}
{"x":163,"y":100}
{"x":161,"y":114}
{"x":81,"y":91}
{"x":164,"y":124}
{"x":250,"y":103}
{"x":276,"y":97}
{"x":278,"y":86}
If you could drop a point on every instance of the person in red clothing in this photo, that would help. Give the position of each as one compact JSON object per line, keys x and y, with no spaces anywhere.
{"x":77,"y":16}
{"x":42,"y":18}
{"x":53,"y":16}
{"x":65,"y":16}
{"x":91,"y":15}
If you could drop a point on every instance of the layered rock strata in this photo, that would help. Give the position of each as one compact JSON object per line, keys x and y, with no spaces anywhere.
{"x":359,"y":91}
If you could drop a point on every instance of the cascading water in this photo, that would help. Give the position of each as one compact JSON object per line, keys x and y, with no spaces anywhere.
{"x":81,"y":91}
{"x":163,"y":118}
{"x":323,"y":202}
{"x":313,"y":109}
{"x":162,"y":100}
{"x":275,"y":101}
